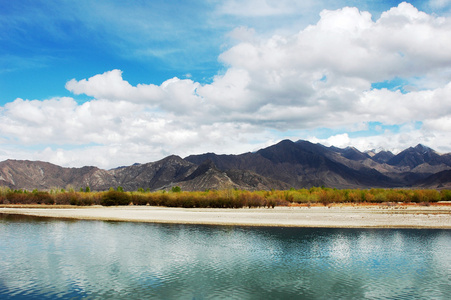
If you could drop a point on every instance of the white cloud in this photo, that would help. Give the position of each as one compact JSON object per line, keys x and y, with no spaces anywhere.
{"x":111,"y":86}
{"x":63,"y":121}
{"x":319,"y":77}
{"x":347,"y":43}
{"x":242,"y":34}
{"x":406,"y":137}
{"x":339,"y":140}
{"x":325,"y":71}
{"x":109,"y":133}
{"x":173,"y":95}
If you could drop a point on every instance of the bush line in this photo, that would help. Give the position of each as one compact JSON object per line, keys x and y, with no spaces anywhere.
{"x":222,"y":198}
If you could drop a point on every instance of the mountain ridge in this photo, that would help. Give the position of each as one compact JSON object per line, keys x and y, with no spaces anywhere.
{"x":284,"y":165}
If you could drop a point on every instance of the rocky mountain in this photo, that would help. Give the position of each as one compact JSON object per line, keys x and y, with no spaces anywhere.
{"x":351,"y":153}
{"x":154,"y":175}
{"x":415,"y":156}
{"x":440,"y":180}
{"x":208,"y":176}
{"x":29,"y":175}
{"x":301,"y":164}
{"x":382,"y":156}
{"x":284,"y":165}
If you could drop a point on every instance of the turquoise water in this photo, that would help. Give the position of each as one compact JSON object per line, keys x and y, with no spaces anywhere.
{"x":48,"y":259}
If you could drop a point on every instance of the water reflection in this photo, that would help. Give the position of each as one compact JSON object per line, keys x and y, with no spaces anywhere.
{"x":44,"y":258}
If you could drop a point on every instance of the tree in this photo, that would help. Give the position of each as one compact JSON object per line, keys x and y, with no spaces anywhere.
{"x":176,"y":189}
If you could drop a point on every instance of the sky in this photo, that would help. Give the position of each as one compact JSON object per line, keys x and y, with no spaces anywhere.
{"x":110,"y":83}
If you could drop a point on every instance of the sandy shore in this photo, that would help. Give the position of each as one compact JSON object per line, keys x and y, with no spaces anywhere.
{"x":333,"y":217}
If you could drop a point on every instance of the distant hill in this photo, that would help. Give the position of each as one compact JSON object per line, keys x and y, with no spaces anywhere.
{"x":415,"y":156}
{"x":301,"y":164}
{"x":440,"y":180}
{"x":382,"y":157}
{"x":287,"y":164}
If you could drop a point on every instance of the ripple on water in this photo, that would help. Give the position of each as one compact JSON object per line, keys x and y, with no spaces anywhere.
{"x":58,"y":259}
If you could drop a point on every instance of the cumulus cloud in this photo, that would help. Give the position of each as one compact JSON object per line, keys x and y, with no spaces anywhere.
{"x":111,"y":86}
{"x":325,"y":71}
{"x":406,"y":136}
{"x":320,"y":77}
{"x":63,"y":121}
{"x":347,"y":43}
{"x":109,"y":133}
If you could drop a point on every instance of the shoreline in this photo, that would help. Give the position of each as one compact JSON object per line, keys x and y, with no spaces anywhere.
{"x":431,"y":217}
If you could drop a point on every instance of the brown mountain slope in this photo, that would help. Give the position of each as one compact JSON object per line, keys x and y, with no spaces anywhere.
{"x":281,"y":166}
{"x":208,"y":176}
{"x":24,"y":174}
{"x":299,"y":165}
{"x":440,"y":180}
{"x":153,"y":176}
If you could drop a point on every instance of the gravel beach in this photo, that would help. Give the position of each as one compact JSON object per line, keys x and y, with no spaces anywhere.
{"x":331,"y":217}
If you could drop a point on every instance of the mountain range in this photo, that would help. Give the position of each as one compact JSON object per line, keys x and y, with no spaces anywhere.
{"x":284,"y":165}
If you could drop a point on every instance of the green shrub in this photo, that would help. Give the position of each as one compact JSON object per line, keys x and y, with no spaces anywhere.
{"x":230,"y":198}
{"x":176,"y":189}
{"x":445,"y":195}
{"x":111,"y":198}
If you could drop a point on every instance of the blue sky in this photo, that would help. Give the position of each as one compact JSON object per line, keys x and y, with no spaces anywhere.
{"x":110,"y":83}
{"x":46,"y":43}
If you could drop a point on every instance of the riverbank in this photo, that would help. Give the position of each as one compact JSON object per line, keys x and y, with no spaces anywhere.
{"x":317,"y":216}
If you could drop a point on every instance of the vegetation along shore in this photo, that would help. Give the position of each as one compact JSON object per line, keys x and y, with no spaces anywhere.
{"x":230,"y":198}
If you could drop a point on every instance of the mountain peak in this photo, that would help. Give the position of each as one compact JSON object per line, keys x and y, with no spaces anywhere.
{"x":415,"y":156}
{"x":285,"y":164}
{"x":203,"y":168}
{"x":422,"y":148}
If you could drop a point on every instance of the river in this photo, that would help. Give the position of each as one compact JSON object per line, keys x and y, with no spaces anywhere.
{"x":44,"y":258}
